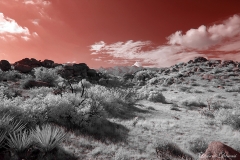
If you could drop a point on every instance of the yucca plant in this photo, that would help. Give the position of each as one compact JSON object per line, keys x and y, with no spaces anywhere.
{"x":8,"y":124}
{"x":20,"y":142}
{"x":2,"y":136}
{"x":48,"y":137}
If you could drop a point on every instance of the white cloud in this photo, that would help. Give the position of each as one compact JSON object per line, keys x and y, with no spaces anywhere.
{"x":35,"y":21}
{"x":34,"y":2}
{"x":8,"y":25}
{"x":124,"y":53}
{"x":220,"y":38}
{"x":97,"y":47}
{"x":234,"y":46}
{"x":138,"y":64}
{"x":204,"y":38}
{"x":26,"y":38}
{"x":10,"y":30}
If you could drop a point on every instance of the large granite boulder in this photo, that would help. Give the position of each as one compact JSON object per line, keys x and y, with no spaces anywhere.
{"x":48,"y":63}
{"x":29,"y":62}
{"x":217,"y":150}
{"x":199,"y":59}
{"x":23,"y":68}
{"x":5,"y":65}
{"x":91,"y":73}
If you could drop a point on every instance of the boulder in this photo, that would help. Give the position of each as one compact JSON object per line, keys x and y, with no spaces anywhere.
{"x":5,"y":65}
{"x":200,"y":70}
{"x":199,"y":59}
{"x":48,"y":63}
{"x":29,"y":62}
{"x":225,"y":63}
{"x":80,"y":67}
{"x":208,"y":77}
{"x":128,"y":76}
{"x":91,"y":73}
{"x":23,"y":68}
{"x":174,"y":70}
{"x":217,"y":150}
{"x":190,"y":62}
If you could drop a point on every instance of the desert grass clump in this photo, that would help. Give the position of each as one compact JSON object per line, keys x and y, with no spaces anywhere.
{"x":197,"y":91}
{"x":221,"y":104}
{"x":11,"y":75}
{"x":233,"y":89}
{"x":155,"y":96}
{"x":192,"y":102}
{"x":229,"y":117}
{"x":184,"y":88}
{"x":175,"y":107}
{"x":169,"y":150}
{"x":197,"y":145}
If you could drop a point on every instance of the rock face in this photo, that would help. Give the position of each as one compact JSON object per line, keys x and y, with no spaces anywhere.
{"x":48,"y":63}
{"x":199,"y":59}
{"x":23,"y":68}
{"x":5,"y":65}
{"x":26,"y":65}
{"x":217,"y":150}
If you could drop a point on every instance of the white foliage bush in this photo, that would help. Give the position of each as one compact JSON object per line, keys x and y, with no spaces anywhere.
{"x":48,"y":75}
{"x":156,"y":96}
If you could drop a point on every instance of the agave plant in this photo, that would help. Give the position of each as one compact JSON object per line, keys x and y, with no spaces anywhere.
{"x":48,"y":137}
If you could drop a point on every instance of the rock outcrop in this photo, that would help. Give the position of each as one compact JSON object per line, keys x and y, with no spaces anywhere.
{"x":5,"y":65}
{"x":217,"y":150}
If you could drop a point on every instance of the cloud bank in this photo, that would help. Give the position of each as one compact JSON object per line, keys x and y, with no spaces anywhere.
{"x":224,"y":37}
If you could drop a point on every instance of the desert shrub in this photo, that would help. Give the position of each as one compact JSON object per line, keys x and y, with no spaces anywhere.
{"x":210,"y":90}
{"x":195,"y":84}
{"x":26,"y":83}
{"x":70,"y":110}
{"x":175,"y":107}
{"x":229,"y":117}
{"x":168,"y":150}
{"x":144,"y":75}
{"x":193,"y":102}
{"x":10,"y":75}
{"x":184,"y":88}
{"x":122,"y":154}
{"x":216,"y":70}
{"x":233,"y":89}
{"x":46,"y":75}
{"x":112,"y":94}
{"x":85,"y":83}
{"x":215,"y":105}
{"x":33,"y":92}
{"x":197,"y":145}
{"x":154,"y":80}
{"x":197,"y":91}
{"x":155,"y":96}
{"x":114,"y":101}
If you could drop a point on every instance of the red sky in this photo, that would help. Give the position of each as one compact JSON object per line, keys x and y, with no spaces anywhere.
{"x":119,"y":32}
